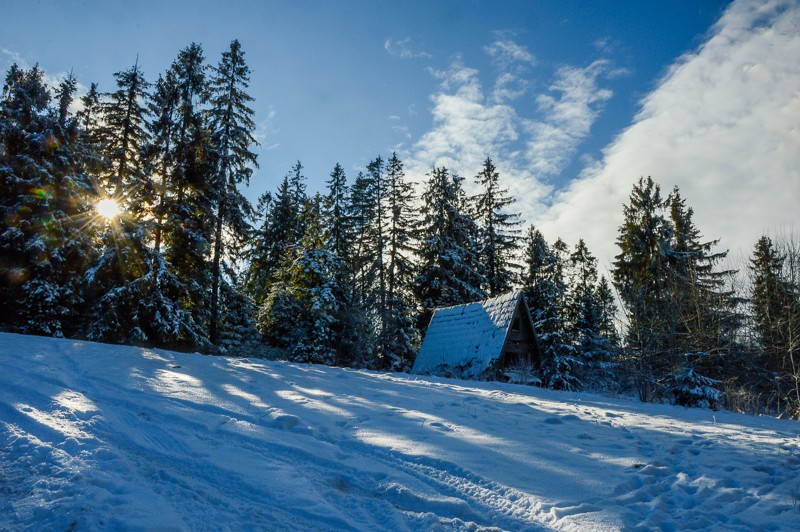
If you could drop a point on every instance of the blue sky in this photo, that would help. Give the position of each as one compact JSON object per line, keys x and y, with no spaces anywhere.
{"x":574,"y":100}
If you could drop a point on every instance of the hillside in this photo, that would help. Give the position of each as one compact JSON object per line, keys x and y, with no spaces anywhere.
{"x":105,"y":437}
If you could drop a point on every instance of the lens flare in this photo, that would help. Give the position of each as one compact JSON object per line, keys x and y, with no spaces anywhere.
{"x":107,"y":208}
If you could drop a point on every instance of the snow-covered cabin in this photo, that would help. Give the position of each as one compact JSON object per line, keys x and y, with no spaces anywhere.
{"x":479,"y":340}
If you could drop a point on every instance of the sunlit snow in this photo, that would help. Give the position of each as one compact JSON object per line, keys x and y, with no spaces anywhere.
{"x":98,"y":437}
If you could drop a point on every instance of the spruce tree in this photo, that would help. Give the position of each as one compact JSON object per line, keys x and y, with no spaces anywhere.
{"x":681,"y":318}
{"x":88,"y":115}
{"x":335,"y":212}
{"x":449,"y":270}
{"x":499,"y":238}
{"x":123,"y":137}
{"x":703,"y":309}
{"x":299,"y":198}
{"x":303,"y":311}
{"x":46,"y":207}
{"x":775,"y":308}
{"x":362,"y":213}
{"x":545,"y":291}
{"x":400,"y":336}
{"x":162,"y":109}
{"x":273,"y":241}
{"x":590,"y":310}
{"x":256,"y":276}
{"x":136,"y":297}
{"x":189,"y":207}
{"x":355,"y":343}
{"x":641,"y":277}
{"x":232,"y":128}
{"x":65,"y":94}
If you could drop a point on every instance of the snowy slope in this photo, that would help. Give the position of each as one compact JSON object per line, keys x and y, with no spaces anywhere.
{"x":106,"y":437}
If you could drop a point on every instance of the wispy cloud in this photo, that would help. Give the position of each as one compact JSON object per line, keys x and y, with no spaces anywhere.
{"x":468,"y":125}
{"x":10,"y":57}
{"x":465,"y":128}
{"x":266,"y":131}
{"x":569,"y":109}
{"x":509,"y":87}
{"x":514,"y":61}
{"x":722,"y":125}
{"x":403,"y":48}
{"x":507,"y":53}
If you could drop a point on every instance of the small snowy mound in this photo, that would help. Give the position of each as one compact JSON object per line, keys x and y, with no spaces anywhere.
{"x":96,"y":437}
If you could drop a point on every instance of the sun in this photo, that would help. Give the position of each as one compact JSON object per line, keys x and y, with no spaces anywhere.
{"x":107,"y":208}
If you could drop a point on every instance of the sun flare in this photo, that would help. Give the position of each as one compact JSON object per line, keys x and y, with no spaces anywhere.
{"x":107,"y":208}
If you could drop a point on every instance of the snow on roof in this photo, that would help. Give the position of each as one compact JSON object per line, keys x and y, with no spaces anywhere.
{"x":468,"y":336}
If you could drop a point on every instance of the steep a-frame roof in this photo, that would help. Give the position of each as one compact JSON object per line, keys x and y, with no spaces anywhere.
{"x":468,"y":338}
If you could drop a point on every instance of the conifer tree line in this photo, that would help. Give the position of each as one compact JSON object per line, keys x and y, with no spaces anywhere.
{"x":350,"y":275}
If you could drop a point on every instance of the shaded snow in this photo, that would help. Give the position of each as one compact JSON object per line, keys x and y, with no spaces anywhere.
{"x":104,"y":437}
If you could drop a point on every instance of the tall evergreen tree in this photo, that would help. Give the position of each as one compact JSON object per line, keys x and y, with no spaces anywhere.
{"x":362,"y":213}
{"x":45,"y":204}
{"x":123,"y":137}
{"x":681,"y":318}
{"x":399,"y":337}
{"x":65,"y":94}
{"x":775,"y":307}
{"x":256,"y":276}
{"x":189,"y":208}
{"x":499,"y":238}
{"x":299,"y":198}
{"x":641,"y":276}
{"x":163,"y":110}
{"x":304,"y":309}
{"x":449,"y":271}
{"x":355,"y":344}
{"x":337,"y":223}
{"x":88,"y":116}
{"x":136,"y":297}
{"x":375,"y":170}
{"x":545,"y":292}
{"x":590,"y":310}
{"x":232,"y":126}
{"x":702,"y":308}
{"x":274,"y":240}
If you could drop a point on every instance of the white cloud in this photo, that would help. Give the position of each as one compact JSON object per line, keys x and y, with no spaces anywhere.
{"x":469,"y":126}
{"x":509,"y":87}
{"x":266,"y":130}
{"x":465,"y":129}
{"x":514,"y":62}
{"x":402,"y":48}
{"x":506,"y":52}
{"x":723,"y":125}
{"x":568,"y":116}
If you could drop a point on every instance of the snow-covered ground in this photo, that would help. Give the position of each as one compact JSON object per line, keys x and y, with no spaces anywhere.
{"x":106,"y":437}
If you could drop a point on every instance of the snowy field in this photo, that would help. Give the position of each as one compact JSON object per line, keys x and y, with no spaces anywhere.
{"x":98,"y":437}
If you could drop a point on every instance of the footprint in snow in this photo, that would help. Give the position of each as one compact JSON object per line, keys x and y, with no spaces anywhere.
{"x":285,"y":421}
{"x":764,"y":469}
